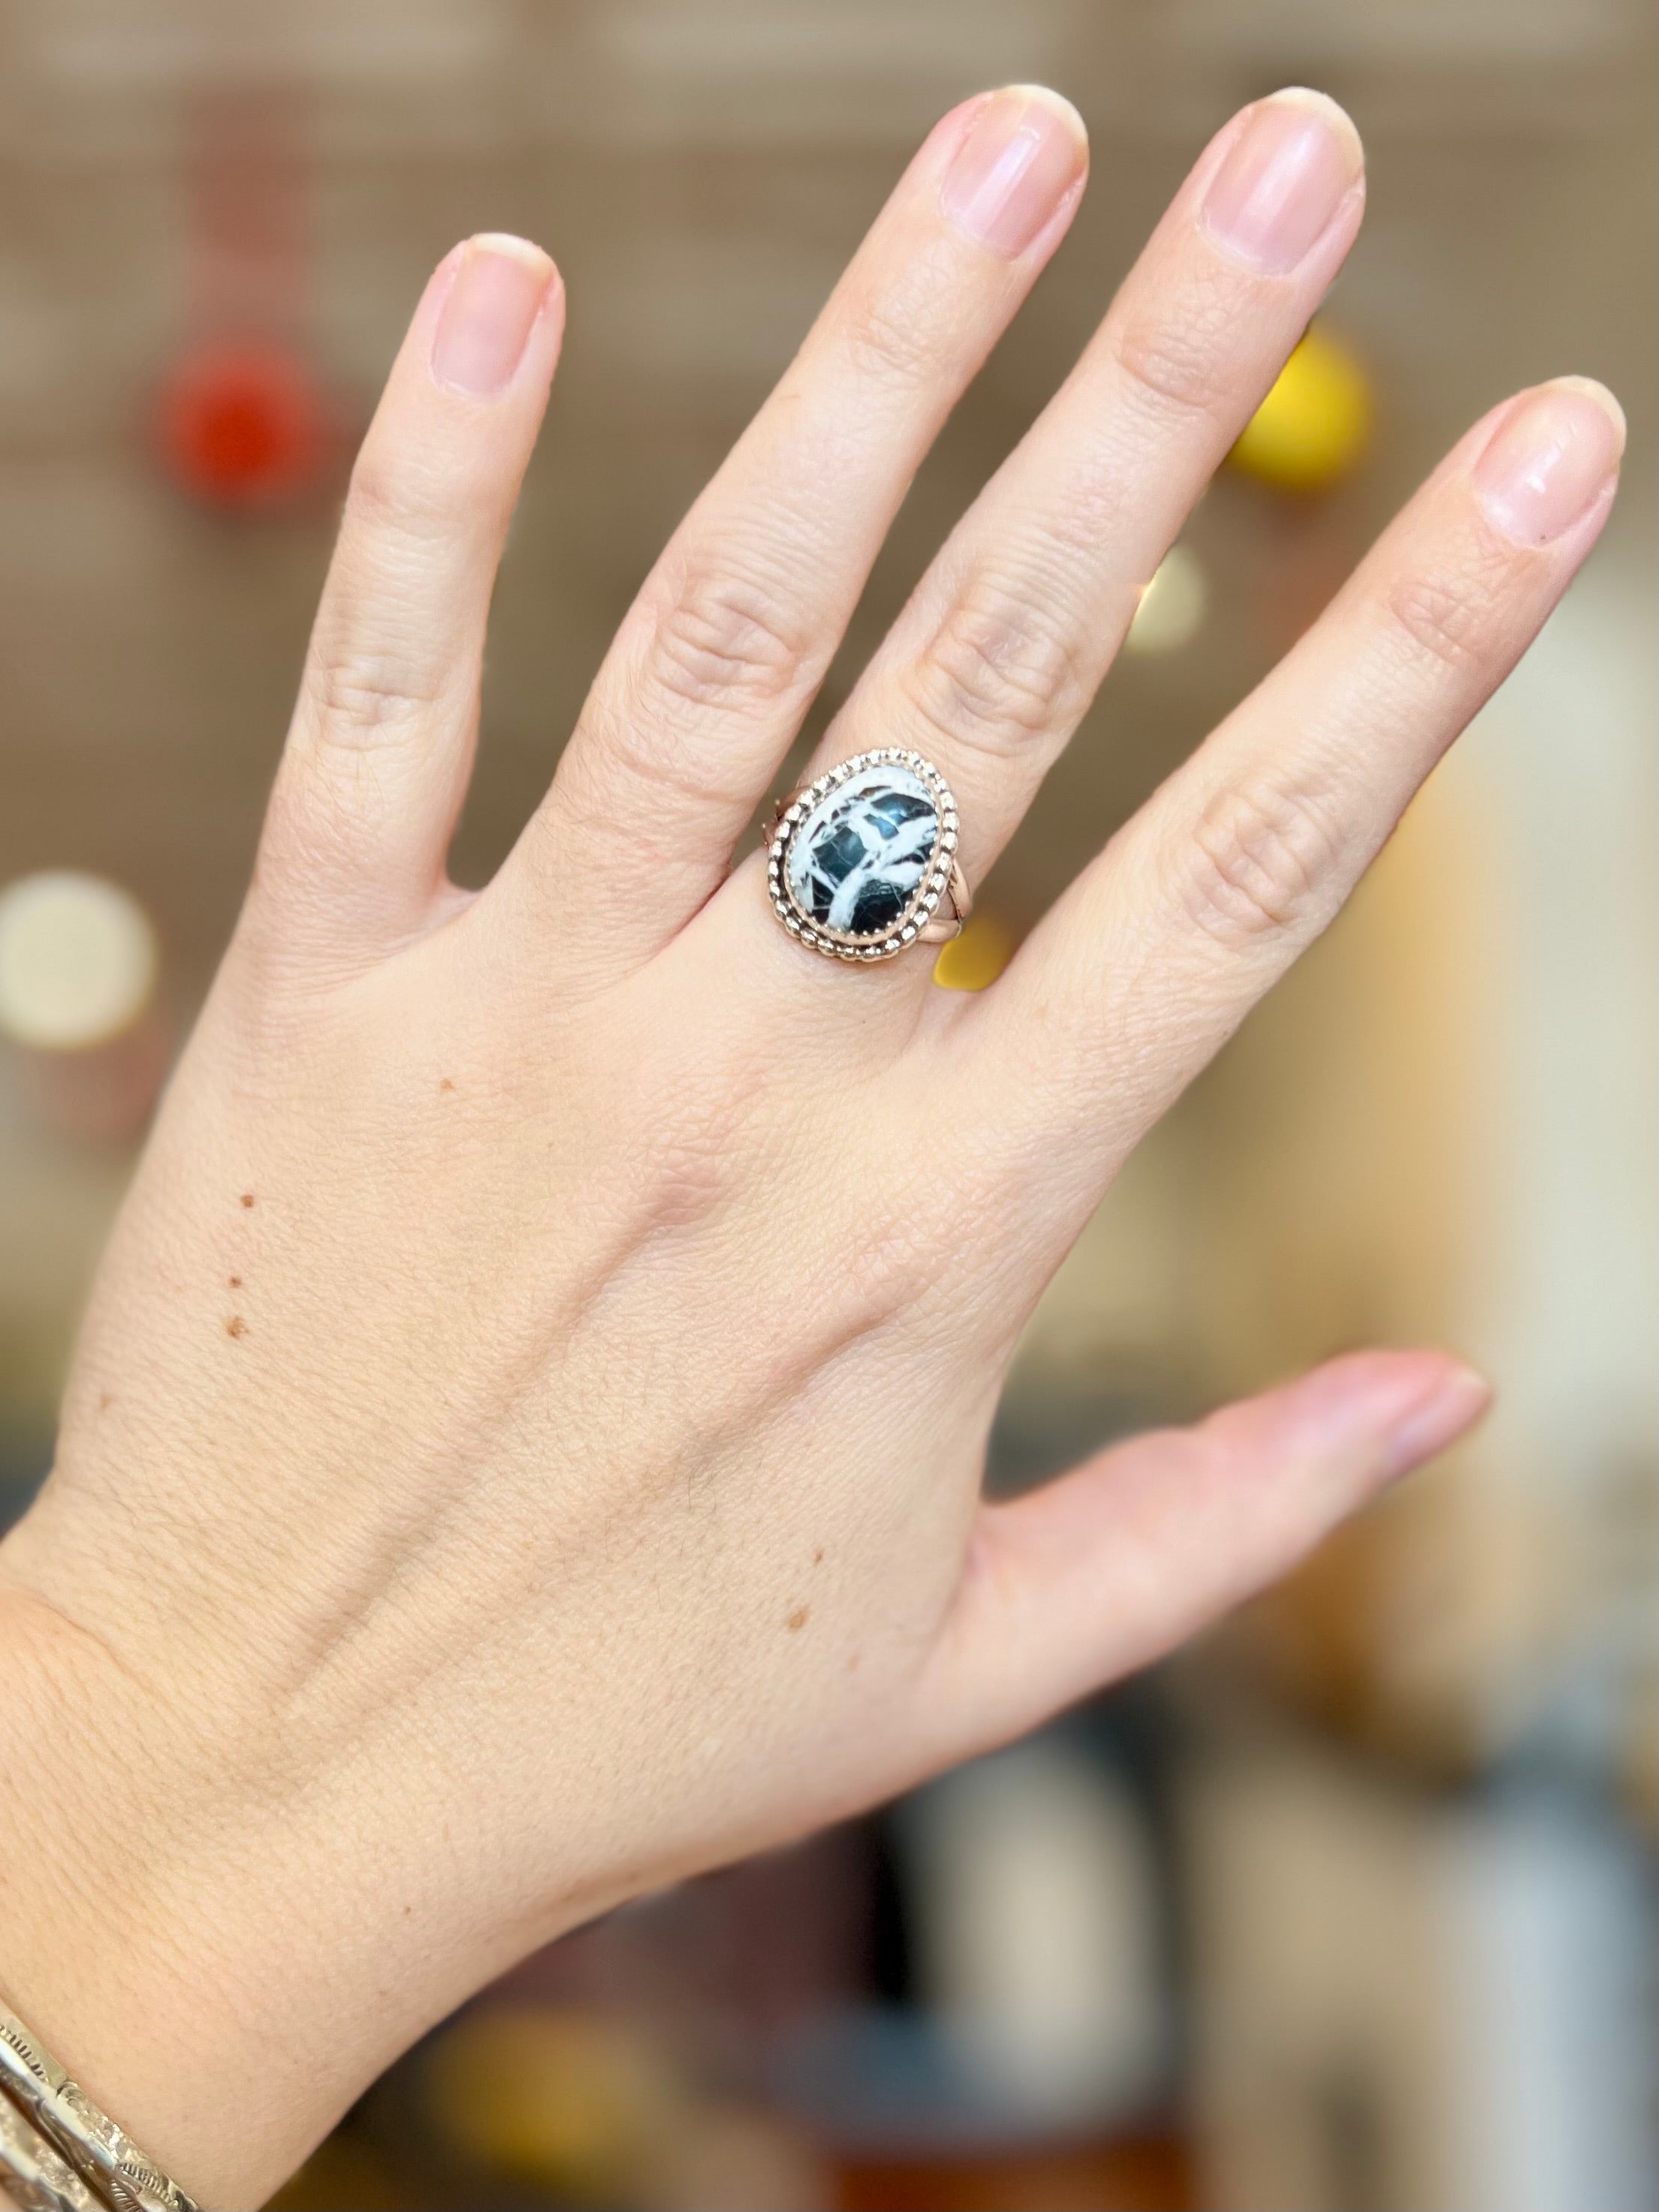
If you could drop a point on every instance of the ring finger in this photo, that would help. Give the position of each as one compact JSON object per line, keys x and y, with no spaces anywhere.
{"x":1004,"y":642}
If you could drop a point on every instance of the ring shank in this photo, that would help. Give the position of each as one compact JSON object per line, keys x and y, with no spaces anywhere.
{"x":940,"y":931}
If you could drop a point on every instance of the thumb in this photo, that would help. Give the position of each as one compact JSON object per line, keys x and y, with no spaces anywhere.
{"x":1115,"y":1564}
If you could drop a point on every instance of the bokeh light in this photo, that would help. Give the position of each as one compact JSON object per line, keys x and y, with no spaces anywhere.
{"x":1314,"y":426}
{"x":78,"y":961}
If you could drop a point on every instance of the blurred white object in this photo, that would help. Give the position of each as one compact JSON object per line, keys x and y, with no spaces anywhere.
{"x":79,"y":967}
{"x":1172,"y":607}
{"x":78,"y":962}
{"x":1552,"y":1924}
{"x":1036,"y":1916}
{"x":1560,"y":768}
{"x":1415,"y":2003}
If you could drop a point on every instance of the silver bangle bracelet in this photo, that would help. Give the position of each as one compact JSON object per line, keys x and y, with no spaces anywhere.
{"x":109,"y":2164}
{"x":33,"y":2177}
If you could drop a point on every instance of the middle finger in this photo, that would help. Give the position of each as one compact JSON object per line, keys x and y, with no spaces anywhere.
{"x":719,"y":657}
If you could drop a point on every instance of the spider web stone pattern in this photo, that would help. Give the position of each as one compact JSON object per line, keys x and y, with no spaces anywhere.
{"x":858,"y":860}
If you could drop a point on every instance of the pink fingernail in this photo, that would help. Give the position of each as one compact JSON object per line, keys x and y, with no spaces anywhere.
{"x":1550,"y":459}
{"x":1026,"y":150}
{"x":1427,"y":1425}
{"x":491,"y":309}
{"x":1286,"y":175}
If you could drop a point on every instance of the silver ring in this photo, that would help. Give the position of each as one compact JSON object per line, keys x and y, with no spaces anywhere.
{"x":862,"y":863}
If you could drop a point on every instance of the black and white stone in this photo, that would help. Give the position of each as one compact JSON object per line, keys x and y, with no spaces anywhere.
{"x":858,"y":860}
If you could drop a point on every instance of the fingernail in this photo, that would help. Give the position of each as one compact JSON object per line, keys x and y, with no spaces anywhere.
{"x":491,"y":309}
{"x":1286,"y":174}
{"x":1427,"y":1425}
{"x":1550,"y":459}
{"x":1027,"y":149}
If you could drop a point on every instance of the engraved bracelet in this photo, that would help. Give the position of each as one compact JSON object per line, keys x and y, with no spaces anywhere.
{"x":33,"y":2177}
{"x":114,"y":2169}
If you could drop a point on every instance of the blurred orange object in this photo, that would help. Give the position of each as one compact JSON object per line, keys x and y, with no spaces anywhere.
{"x":1151,"y":2173}
{"x":243,"y":423}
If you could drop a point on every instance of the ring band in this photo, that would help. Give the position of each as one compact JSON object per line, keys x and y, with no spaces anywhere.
{"x":862,"y":863}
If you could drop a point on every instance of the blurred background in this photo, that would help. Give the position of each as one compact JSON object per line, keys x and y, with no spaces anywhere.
{"x":1352,"y":1908}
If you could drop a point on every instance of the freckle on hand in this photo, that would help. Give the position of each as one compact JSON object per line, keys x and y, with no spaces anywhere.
{"x":445,"y":1084}
{"x":247,"y":1198}
{"x":235,"y":1282}
{"x":236,"y":1326}
{"x":797,"y":1619}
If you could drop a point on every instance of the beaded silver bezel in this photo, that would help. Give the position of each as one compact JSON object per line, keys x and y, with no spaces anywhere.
{"x":841,"y":945}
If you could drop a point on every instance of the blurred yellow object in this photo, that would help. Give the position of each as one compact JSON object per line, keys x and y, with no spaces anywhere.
{"x":1313,"y":427}
{"x":978,"y":956}
{"x":345,"y":2170}
{"x":565,"y":2100}
{"x":1172,"y":607}
{"x":78,"y":961}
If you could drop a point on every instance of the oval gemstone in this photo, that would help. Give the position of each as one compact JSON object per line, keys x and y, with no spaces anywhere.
{"x":858,"y":860}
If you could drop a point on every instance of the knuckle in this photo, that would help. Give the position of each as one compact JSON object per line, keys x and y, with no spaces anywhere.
{"x":959,"y":1195}
{"x":370,"y":672}
{"x":1445,"y":617}
{"x":892,"y":334}
{"x":375,"y":496}
{"x":997,"y":672}
{"x":1258,"y":860}
{"x":1180,"y":362}
{"x":357,"y":696}
{"x":722,"y":641}
{"x":390,"y":501}
{"x":692,"y":1171}
{"x":887,"y":1272}
{"x":699,"y":1135}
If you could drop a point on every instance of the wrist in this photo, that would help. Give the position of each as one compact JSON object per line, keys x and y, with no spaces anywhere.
{"x":147,"y":1929}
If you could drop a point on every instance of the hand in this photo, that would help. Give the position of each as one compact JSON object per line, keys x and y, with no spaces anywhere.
{"x":526,"y":1443}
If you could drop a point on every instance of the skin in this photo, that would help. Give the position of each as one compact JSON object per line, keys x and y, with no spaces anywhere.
{"x":525,"y":1441}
